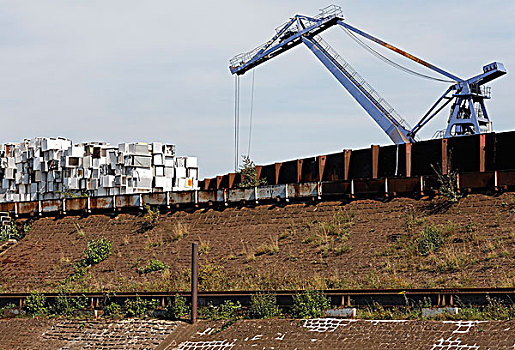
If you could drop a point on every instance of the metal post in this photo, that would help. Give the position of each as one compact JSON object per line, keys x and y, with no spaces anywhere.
{"x":194,"y":281}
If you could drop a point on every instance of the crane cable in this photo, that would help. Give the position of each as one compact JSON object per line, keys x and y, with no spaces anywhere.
{"x":390,"y":62}
{"x":251,"y":111}
{"x":236,"y":122}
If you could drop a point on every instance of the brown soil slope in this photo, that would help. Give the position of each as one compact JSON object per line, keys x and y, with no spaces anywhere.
{"x":362,"y":244}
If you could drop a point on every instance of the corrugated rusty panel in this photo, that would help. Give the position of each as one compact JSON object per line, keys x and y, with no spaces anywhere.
{"x":278,"y":191}
{"x":336,"y":188}
{"x":153,"y":199}
{"x":334,"y":167}
{"x":360,"y":164}
{"x":490,"y":151}
{"x":127,"y":201}
{"x":431,"y":183}
{"x":392,"y":161}
{"x":307,"y":189}
{"x":464,"y":153}
{"x":406,"y":185}
{"x":207,"y":196}
{"x":271,"y":192}
{"x":51,"y":205}
{"x":423,"y":155}
{"x":288,"y":172}
{"x":504,"y":146}
{"x":209,"y":184}
{"x":27,"y":207}
{"x":310,"y":169}
{"x":370,"y":186}
{"x":76,"y":204}
{"x":268,"y":173}
{"x":241,"y":194}
{"x":222,"y":181}
{"x":236,"y":195}
{"x":101,"y":203}
{"x":7,"y":207}
{"x":183,"y":197}
{"x":477,"y":180}
{"x":506,"y":178}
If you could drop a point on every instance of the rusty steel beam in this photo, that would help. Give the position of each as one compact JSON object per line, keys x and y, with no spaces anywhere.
{"x":277,"y":171}
{"x":408,"y":159}
{"x":375,"y":161}
{"x":445,"y":164}
{"x":482,"y":153}
{"x":258,"y":172}
{"x":231,"y":178}
{"x":346,"y":163}
{"x":299,"y":170}
{"x":321,"y":166}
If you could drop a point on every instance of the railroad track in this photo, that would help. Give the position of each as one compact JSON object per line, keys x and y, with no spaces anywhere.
{"x":436,"y":297}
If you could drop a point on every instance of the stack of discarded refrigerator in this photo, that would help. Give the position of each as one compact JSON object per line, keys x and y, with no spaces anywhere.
{"x":50,"y":168}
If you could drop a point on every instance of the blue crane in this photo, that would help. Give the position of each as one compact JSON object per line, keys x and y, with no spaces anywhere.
{"x":468,"y":114}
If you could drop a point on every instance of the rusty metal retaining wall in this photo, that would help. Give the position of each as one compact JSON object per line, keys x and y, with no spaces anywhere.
{"x":379,"y":187}
{"x":485,"y":163}
{"x":477,"y":153}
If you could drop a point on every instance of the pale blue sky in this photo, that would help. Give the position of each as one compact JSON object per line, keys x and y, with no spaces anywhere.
{"x":122,"y":71}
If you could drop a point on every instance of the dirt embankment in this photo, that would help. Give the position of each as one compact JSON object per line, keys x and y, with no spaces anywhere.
{"x":363,"y":244}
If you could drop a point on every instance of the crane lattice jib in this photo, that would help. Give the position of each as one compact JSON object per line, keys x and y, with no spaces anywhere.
{"x":468,"y":95}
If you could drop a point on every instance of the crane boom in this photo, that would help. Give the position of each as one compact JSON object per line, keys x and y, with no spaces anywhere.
{"x":468,"y":113}
{"x":382,"y":113}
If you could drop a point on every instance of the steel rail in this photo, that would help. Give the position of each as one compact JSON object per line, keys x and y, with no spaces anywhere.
{"x":343,"y":297}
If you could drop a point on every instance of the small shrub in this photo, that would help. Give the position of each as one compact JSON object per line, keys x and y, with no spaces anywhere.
{"x":203,"y":247}
{"x":411,"y":221}
{"x":113,"y":310}
{"x":430,"y":240}
{"x":225,"y":311}
{"x":342,"y":249}
{"x":448,"y":183}
{"x":178,"y":231}
{"x":139,"y":307}
{"x":177,"y":308}
{"x":67,"y":306}
{"x":264,"y":306}
{"x":212,"y":277}
{"x":35,"y":304}
{"x":268,"y":248}
{"x":249,"y":174}
{"x":310,"y":304}
{"x":151,"y":217}
{"x":379,"y":312}
{"x":97,"y":250}
{"x":153,"y":265}
{"x":494,"y":310}
{"x":5,"y":308}
{"x":11,"y":231}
